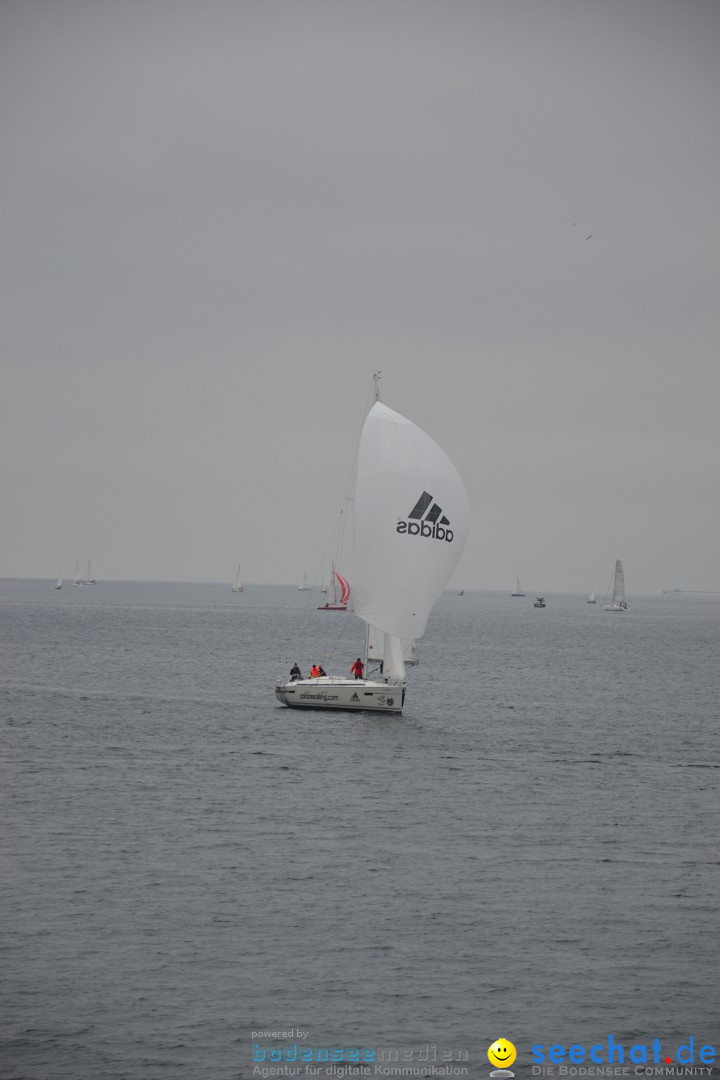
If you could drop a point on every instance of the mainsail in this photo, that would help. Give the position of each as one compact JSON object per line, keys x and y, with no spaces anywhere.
{"x":618,"y":590}
{"x":375,"y":647}
{"x":619,"y":584}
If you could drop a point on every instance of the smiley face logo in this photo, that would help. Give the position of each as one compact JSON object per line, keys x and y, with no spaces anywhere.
{"x":502,"y":1053}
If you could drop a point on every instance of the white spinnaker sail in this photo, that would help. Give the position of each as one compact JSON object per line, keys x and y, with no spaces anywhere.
{"x":619,"y":583}
{"x":411,"y":522}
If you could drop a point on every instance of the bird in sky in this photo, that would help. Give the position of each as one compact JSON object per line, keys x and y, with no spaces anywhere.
{"x":589,"y":237}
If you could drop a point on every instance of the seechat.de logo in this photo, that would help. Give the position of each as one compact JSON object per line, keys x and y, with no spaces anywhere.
{"x":502,"y":1053}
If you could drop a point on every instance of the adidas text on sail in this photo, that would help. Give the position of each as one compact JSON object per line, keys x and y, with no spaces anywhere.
{"x":426,"y":519}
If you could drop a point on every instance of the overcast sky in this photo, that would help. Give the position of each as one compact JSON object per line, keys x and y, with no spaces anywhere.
{"x":218,"y":218}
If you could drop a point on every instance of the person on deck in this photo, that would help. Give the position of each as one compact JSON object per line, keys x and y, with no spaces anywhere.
{"x":295,"y":673}
{"x":358,"y":668}
{"x":315,"y":671}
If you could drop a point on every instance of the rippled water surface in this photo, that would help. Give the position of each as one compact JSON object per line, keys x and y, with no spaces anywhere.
{"x":531,"y":850}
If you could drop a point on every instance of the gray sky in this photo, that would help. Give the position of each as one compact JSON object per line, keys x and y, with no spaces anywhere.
{"x":219,"y":217}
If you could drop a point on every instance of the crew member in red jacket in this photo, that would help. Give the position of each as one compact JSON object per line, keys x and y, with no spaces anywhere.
{"x":357,"y":668}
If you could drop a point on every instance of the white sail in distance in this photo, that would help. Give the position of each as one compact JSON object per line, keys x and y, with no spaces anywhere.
{"x":619,"y":583}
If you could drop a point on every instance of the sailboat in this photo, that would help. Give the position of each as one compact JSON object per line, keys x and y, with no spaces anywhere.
{"x":591,"y":598}
{"x":518,"y":590}
{"x":410,"y":525}
{"x":341,"y":603}
{"x":304,"y":585}
{"x":59,"y":581}
{"x":77,"y":583}
{"x":89,"y":579}
{"x":618,"y":602}
{"x":238,"y":586}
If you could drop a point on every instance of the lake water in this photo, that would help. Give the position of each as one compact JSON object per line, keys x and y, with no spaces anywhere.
{"x":529,"y":851}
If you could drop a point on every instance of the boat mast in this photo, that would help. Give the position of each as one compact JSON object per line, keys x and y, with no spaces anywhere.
{"x":376,"y":397}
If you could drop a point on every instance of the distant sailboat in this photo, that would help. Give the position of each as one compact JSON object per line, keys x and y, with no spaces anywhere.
{"x":238,"y":586}
{"x":518,"y":590}
{"x":304,"y":585}
{"x":341,"y":603}
{"x":591,"y":598}
{"x":77,"y":583}
{"x":90,"y":580}
{"x":59,"y":581}
{"x":618,"y":602}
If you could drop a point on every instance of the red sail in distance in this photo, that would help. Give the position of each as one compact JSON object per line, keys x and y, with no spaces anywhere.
{"x":344,"y":586}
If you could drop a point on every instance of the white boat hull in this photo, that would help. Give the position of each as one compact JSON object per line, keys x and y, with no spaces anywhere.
{"x":332,"y":692}
{"x":615,"y":607}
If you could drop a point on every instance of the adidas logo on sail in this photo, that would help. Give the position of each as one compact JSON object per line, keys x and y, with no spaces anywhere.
{"x":426,"y":519}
